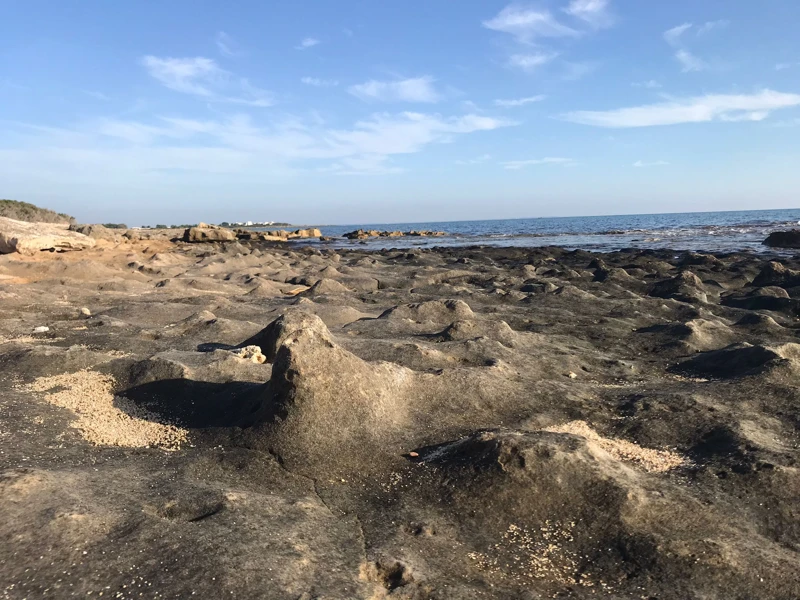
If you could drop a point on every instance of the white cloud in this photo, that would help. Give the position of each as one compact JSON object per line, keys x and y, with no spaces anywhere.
{"x":226,"y":45}
{"x":527,"y":24}
{"x":365,"y":164}
{"x":417,"y":89}
{"x":651,"y":84}
{"x":202,"y":77}
{"x":515,"y":165}
{"x":308,"y":42}
{"x":698,"y":109}
{"x":315,"y":81}
{"x":784,"y":66}
{"x":577,"y":70}
{"x":474,"y":161}
{"x":96,"y":95}
{"x":231,"y":145}
{"x":689,"y":62}
{"x":656,"y":163}
{"x":756,"y":115}
{"x":594,"y":12}
{"x":530,"y":62}
{"x":711,"y":25}
{"x":673,"y":36}
{"x":519,"y":101}
{"x":187,"y":75}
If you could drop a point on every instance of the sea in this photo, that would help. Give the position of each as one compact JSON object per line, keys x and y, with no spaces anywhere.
{"x":698,"y":231}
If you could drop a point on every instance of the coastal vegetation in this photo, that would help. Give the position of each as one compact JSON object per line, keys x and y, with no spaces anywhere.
{"x":24,"y":211}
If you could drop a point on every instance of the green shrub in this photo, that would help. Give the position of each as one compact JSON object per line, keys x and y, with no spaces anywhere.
{"x":24,"y":211}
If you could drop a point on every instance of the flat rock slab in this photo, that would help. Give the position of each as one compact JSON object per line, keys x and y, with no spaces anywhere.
{"x":29,"y":238}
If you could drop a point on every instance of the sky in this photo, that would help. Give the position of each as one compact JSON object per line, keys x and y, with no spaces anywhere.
{"x":359,"y":111}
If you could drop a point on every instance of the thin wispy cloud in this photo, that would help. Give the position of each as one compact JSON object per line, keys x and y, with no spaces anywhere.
{"x":712,"y":25}
{"x":186,"y":75}
{"x":528,"y":24}
{"x":227,"y":46}
{"x":367,"y":164}
{"x":515,"y":165}
{"x":673,"y":36}
{"x":530,"y":62}
{"x":306,"y":43}
{"x":202,"y":77}
{"x":651,"y":84}
{"x":470,"y":106}
{"x":474,"y":161}
{"x":96,"y":95}
{"x":689,"y":62}
{"x":594,"y":12}
{"x":677,"y":37}
{"x":237,"y":144}
{"x":573,"y":71}
{"x":519,"y":101}
{"x":317,"y":82}
{"x":656,"y":163}
{"x":784,"y":66}
{"x":415,"y":89}
{"x":698,"y":109}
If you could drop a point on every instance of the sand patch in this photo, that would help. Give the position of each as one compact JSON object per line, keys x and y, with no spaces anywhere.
{"x":102,"y":418}
{"x":654,"y":461}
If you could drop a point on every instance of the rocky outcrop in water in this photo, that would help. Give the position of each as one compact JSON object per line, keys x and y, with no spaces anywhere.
{"x":361,"y":234}
{"x":784,"y":239}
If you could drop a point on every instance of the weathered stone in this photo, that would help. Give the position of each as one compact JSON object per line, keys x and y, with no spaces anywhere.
{"x":30,"y":238}
{"x":783,"y":239}
{"x":208,"y":233}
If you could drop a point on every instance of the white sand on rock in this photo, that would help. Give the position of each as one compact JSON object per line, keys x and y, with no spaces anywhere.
{"x":656,"y":461}
{"x":102,"y":418}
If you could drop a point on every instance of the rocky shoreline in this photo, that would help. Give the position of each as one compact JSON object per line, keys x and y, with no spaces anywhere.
{"x":241,"y":419}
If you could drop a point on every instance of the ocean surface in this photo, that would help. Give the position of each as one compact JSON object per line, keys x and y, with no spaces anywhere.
{"x":701,"y":231}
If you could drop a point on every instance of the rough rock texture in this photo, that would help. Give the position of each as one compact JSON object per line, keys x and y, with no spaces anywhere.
{"x":98,"y":232}
{"x":429,"y":425}
{"x":208,"y":233}
{"x":30,"y":238}
{"x":784,"y":239}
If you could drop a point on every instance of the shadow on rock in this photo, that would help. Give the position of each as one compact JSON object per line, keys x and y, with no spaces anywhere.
{"x":197,"y":404}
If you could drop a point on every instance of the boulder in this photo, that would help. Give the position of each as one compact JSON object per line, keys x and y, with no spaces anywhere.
{"x":312,"y":232}
{"x":737,"y":360}
{"x":276,"y":333}
{"x":30,"y":238}
{"x":763,"y":298}
{"x":783,"y":239}
{"x":208,"y":233}
{"x":775,"y":274}
{"x":686,"y":287}
{"x":98,"y":232}
{"x":358,"y":234}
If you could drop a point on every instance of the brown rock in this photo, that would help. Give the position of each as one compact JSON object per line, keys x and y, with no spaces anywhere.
{"x":208,"y":233}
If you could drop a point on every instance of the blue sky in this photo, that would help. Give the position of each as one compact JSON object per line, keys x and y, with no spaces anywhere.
{"x":364,"y":111}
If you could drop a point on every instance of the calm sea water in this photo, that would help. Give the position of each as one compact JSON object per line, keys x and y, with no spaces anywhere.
{"x":708,"y":231}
